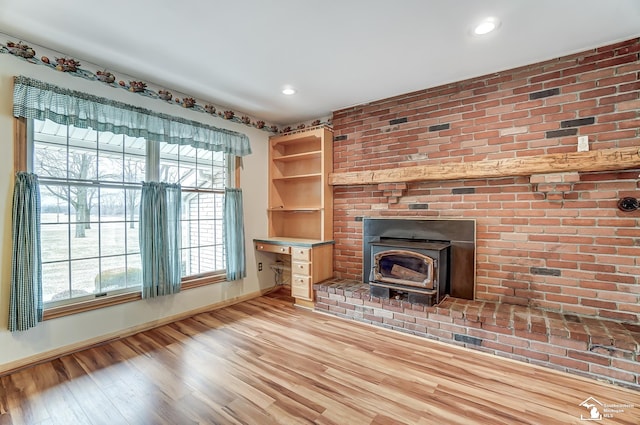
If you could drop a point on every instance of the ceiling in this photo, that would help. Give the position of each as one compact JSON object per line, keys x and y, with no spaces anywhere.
{"x":335,"y":53}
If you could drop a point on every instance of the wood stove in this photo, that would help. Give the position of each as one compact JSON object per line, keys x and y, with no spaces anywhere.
{"x":419,"y":260}
{"x":418,"y":268}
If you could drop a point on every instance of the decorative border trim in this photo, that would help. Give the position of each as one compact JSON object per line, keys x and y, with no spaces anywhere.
{"x":73,"y":67}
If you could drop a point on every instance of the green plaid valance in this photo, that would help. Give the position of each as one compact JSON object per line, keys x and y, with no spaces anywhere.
{"x":39,"y":100}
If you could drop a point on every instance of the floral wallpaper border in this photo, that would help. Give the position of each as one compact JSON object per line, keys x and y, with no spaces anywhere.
{"x":73,"y":67}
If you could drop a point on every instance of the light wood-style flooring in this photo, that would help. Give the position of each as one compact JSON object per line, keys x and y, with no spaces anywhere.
{"x":266,"y":362}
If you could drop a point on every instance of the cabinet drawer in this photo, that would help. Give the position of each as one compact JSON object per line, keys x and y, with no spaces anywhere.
{"x":268,"y":247}
{"x":301,"y":268}
{"x":298,"y":280}
{"x":301,"y":254}
{"x":301,"y":287}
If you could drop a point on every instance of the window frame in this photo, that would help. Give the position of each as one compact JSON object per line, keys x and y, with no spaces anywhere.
{"x":20,"y":163}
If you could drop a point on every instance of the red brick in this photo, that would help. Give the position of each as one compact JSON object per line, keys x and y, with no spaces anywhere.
{"x":429,"y":324}
{"x":569,"y":363}
{"x":506,"y":348}
{"x":629,"y":105}
{"x":415,"y":313}
{"x":569,"y":343}
{"x":589,"y":357}
{"x":373,"y":304}
{"x":565,"y":219}
{"x":404,"y":317}
{"x":512,"y":341}
{"x":629,"y":366}
{"x":531,"y":336}
{"x":440,"y":318}
{"x":415,"y":327}
{"x":497,"y":329}
{"x":446,"y":335}
{"x":321,"y":306}
{"x":346,"y":306}
{"x":393,"y":322}
{"x":620,"y":375}
{"x":531,"y":354}
{"x":395,"y":308}
{"x":482,"y":334}
{"x":327,"y":301}
{"x":372,"y":318}
{"x":336,"y":309}
{"x":548,"y":348}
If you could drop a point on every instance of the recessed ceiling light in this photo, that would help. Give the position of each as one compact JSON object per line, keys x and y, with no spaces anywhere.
{"x":486,"y":26}
{"x":288,"y":91}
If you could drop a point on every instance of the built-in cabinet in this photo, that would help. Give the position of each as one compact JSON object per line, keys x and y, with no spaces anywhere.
{"x":311,"y":262}
{"x":300,"y":198}
{"x":301,"y":207}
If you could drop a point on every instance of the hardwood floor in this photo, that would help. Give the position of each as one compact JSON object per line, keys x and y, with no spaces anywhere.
{"x":266,"y":362}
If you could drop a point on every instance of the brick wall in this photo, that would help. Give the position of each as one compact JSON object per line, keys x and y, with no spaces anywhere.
{"x":551,"y":241}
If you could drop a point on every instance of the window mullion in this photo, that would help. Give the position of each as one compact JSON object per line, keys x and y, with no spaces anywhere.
{"x":30,"y":148}
{"x":230,"y":164}
{"x":152,"y":171}
{"x":70,"y":221}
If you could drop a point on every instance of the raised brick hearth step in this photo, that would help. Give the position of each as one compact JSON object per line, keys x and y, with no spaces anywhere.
{"x":597,"y":333}
{"x":593,"y":347}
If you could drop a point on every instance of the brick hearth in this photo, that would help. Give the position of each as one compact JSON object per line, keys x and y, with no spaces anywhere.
{"x":592,"y":347}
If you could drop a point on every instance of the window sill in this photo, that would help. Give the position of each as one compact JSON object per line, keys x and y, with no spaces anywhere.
{"x":108,"y":301}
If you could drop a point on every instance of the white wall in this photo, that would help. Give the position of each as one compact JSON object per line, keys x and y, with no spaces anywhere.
{"x":56,"y":334}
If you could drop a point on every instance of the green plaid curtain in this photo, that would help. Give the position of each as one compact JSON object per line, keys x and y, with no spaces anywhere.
{"x":25,"y":303}
{"x":40,"y":100}
{"x":236,"y":262}
{"x":160,"y":209}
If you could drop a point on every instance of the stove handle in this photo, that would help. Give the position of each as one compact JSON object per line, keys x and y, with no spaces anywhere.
{"x":372,"y":274}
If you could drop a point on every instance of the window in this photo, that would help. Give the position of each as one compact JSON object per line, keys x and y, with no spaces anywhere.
{"x":203,"y":177}
{"x":90,"y":184}
{"x":90,"y":155}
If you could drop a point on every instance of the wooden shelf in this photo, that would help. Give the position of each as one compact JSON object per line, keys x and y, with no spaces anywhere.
{"x":598,"y":160}
{"x":300,"y":200}
{"x":301,"y":206}
{"x":298,"y":177}
{"x":294,"y":144}
{"x":295,"y":209}
{"x":298,"y":156}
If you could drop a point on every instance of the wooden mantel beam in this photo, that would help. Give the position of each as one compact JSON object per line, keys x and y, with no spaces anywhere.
{"x":597,"y":160}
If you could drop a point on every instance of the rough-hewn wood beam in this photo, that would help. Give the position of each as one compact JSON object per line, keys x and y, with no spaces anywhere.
{"x":597,"y":160}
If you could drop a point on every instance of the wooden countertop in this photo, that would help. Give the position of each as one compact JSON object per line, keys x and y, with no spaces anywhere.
{"x":307,"y":243}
